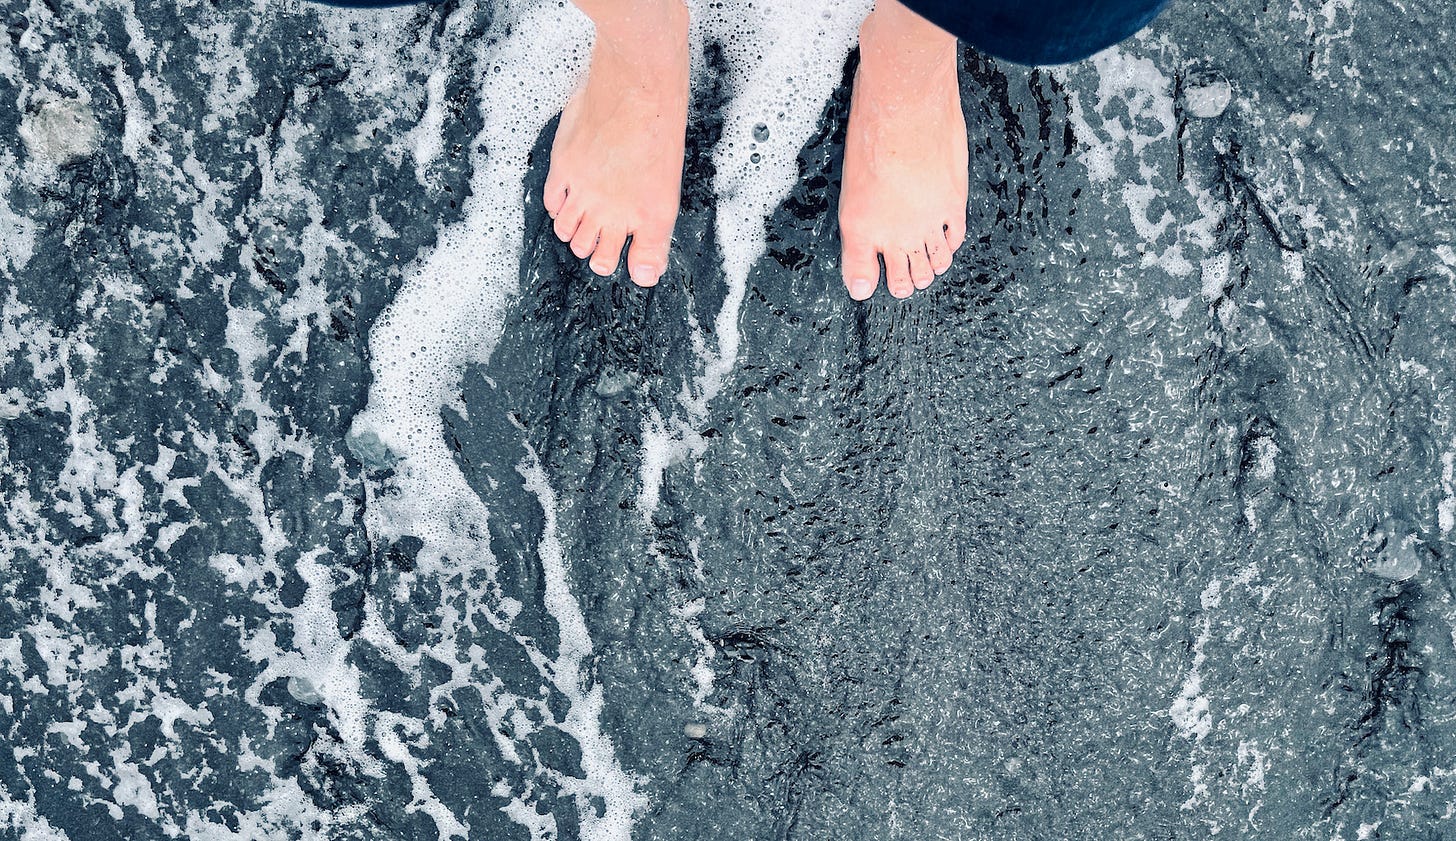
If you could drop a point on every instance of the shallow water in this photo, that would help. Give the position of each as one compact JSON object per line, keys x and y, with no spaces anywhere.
{"x":341,"y":501}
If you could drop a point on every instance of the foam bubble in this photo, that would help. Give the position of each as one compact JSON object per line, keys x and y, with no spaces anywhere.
{"x":1215,"y":274}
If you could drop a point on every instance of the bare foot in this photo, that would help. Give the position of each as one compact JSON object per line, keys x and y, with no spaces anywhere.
{"x":616,"y":163}
{"x":905,"y":158}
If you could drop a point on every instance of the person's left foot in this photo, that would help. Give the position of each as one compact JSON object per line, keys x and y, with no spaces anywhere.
{"x":903,"y":193}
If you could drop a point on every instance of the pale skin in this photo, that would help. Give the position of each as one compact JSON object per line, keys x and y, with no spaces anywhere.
{"x":616,"y":164}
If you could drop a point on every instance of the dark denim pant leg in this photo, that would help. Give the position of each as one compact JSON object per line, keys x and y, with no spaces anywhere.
{"x":1040,"y":31}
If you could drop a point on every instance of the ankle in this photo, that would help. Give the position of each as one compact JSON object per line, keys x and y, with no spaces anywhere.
{"x":633,"y":21}
{"x":894,"y":32}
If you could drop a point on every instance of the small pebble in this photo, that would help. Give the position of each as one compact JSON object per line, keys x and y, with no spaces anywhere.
{"x":1393,"y":553}
{"x":60,"y":131}
{"x":366,"y":446}
{"x":1207,"y":96}
{"x":302,"y":690}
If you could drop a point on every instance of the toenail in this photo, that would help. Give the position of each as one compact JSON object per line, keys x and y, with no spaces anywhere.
{"x":644,"y":275}
{"x":861,"y":288}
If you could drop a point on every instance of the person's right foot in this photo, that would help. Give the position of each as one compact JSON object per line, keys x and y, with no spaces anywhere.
{"x":616,"y":163}
{"x":903,"y":194}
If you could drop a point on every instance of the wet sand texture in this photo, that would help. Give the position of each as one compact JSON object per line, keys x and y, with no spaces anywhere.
{"x":341,"y":501}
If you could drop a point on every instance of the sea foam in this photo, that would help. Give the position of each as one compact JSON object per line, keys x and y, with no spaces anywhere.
{"x":785,"y":60}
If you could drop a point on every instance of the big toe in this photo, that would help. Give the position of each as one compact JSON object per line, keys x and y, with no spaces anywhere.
{"x":647,"y":258}
{"x":861,"y":269}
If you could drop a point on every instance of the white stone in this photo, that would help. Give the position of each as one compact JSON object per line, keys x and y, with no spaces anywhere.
{"x":1209,"y":98}
{"x":59,"y":131}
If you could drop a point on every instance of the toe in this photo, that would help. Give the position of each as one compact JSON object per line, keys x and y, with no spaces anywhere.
{"x":861,"y":269}
{"x":955,"y":233}
{"x":897,"y":273}
{"x":940,"y":254}
{"x":920,"y":272}
{"x":554,"y":196}
{"x":568,"y":220}
{"x":609,"y":250}
{"x":585,"y":240}
{"x":647,"y":259}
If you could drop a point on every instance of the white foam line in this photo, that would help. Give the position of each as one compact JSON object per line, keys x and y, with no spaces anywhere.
{"x":605,"y":778}
{"x":1189,"y":710}
{"x":1446,"y":508}
{"x":542,"y":827}
{"x":427,"y":139}
{"x":702,"y":667}
{"x":17,"y":232}
{"x":422,"y":797}
{"x":793,"y":54}
{"x":449,"y":313}
{"x":22,"y":818}
{"x":321,"y":667}
{"x":664,"y":444}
